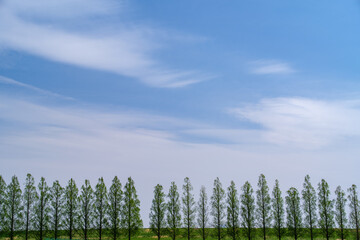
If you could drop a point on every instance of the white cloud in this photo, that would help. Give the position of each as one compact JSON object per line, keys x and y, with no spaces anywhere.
{"x":63,"y":142}
{"x":125,"y":51}
{"x":33,"y":115}
{"x":10,"y":81}
{"x":60,"y":9}
{"x":270,"y":67}
{"x":304,"y":122}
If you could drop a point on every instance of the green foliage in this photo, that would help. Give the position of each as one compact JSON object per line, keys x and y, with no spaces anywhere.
{"x":173,"y":211}
{"x":56,"y":210}
{"x":309,"y":205}
{"x":203,"y":213}
{"x":2,"y":204}
{"x":247,"y":211}
{"x":42,"y":209}
{"x":86,"y":207}
{"x":115,"y":205}
{"x":294,"y":221}
{"x":340,"y":215}
{"x":218,"y":208}
{"x":354,"y":205}
{"x":233,"y":211}
{"x":326,"y":209}
{"x":278,"y":210}
{"x":131,"y":220}
{"x":263,"y":202}
{"x":71,"y":202}
{"x":29,"y":197}
{"x":101,"y":207}
{"x":188,"y":207}
{"x":13,"y":208}
{"x":157,"y":212}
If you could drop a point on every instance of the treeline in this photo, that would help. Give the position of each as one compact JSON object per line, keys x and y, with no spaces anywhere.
{"x":48,"y":211}
{"x":57,"y":209}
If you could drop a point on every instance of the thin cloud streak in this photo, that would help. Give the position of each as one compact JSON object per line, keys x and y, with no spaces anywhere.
{"x":27,"y":114}
{"x":268,"y":67}
{"x":50,"y":9}
{"x":5,"y":80}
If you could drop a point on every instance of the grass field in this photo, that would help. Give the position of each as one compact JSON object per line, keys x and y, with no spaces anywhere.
{"x":146,"y":234}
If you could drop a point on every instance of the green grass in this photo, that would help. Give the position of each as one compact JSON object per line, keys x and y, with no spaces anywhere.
{"x":146,"y":234}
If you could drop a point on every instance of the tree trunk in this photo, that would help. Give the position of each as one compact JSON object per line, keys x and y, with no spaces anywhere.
{"x":129,"y":223}
{"x":56,"y":223}
{"x":264,"y":232}
{"x":263,"y":212}
{"x":279,"y":225}
{"x":27,"y":219}
{"x":12,"y":219}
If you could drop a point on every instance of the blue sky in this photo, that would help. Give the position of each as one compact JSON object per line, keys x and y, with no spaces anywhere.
{"x":130,"y":87}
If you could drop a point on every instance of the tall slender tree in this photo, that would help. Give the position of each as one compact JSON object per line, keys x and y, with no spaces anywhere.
{"x":157,"y":212}
{"x":203,"y":213}
{"x":29,"y":197}
{"x":86,"y":209}
{"x":42,"y":209}
{"x":101,"y":207}
{"x":340,"y":214}
{"x":188,"y":207}
{"x":247,"y":210}
{"x":115,"y":206}
{"x":278,"y":210}
{"x":233,"y":211}
{"x":309,"y":206}
{"x":71,"y":202}
{"x":263,"y":202}
{"x":293,"y":210}
{"x":13,"y":216}
{"x":218,"y":208}
{"x":173,"y":211}
{"x":131,"y":220}
{"x":2,"y":204}
{"x":326,"y":209}
{"x":56,"y":210}
{"x":354,"y":205}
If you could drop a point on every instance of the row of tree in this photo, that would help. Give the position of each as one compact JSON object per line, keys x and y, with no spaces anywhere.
{"x":117,"y":210}
{"x":56,"y":208}
{"x":307,"y":211}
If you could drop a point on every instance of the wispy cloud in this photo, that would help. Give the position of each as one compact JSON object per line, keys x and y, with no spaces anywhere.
{"x":270,"y":67}
{"x":5,"y":80}
{"x":303,"y":122}
{"x":49,"y":139}
{"x":76,"y":141}
{"x":50,"y":9}
{"x":37,"y":28}
{"x":81,"y":119}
